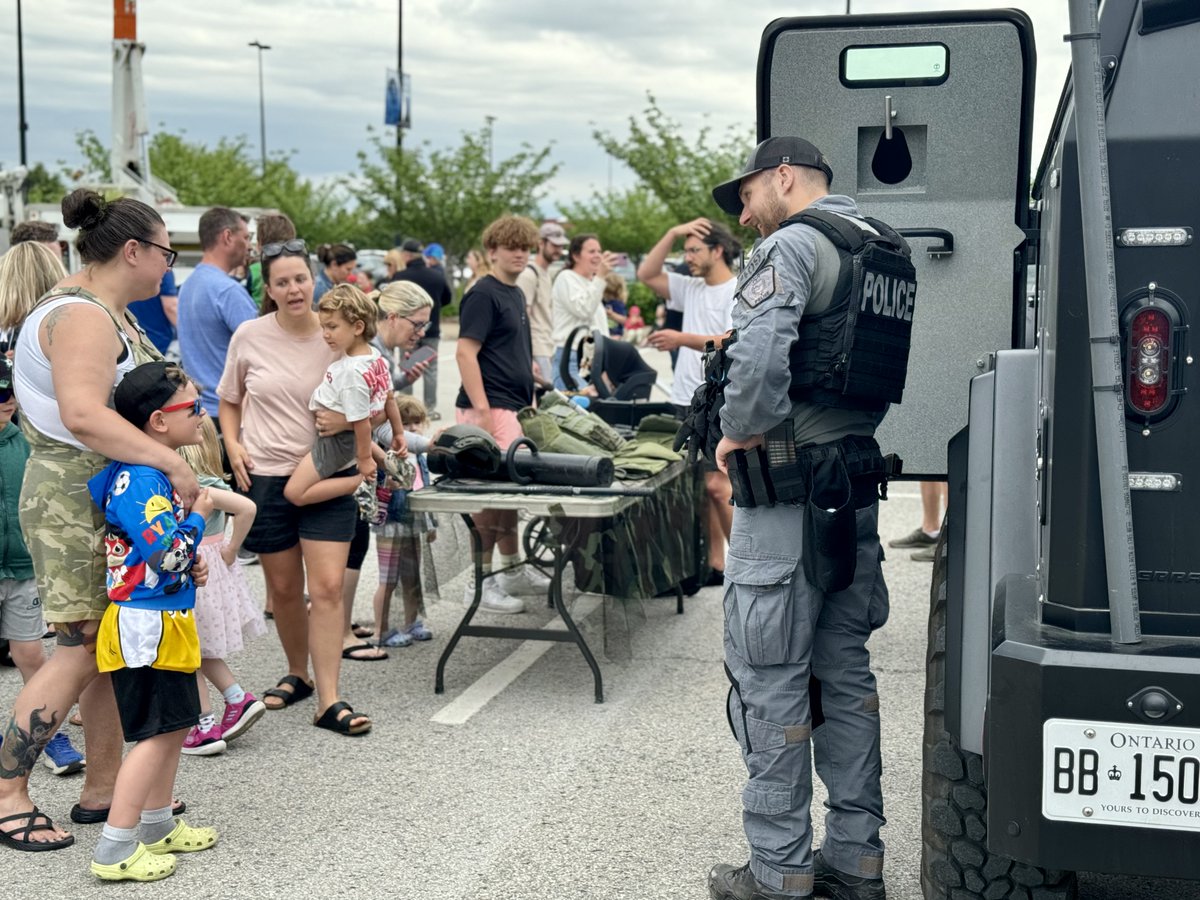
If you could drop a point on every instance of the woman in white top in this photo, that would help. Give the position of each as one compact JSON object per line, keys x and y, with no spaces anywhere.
{"x":578,"y":297}
{"x":74,"y":347}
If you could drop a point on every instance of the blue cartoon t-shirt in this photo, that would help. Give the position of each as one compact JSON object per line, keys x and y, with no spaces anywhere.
{"x":149,"y":543}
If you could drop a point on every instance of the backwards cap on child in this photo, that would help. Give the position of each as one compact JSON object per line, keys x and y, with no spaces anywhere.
{"x":147,"y":388}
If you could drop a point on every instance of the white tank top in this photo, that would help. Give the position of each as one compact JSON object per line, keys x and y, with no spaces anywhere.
{"x":32,"y":381}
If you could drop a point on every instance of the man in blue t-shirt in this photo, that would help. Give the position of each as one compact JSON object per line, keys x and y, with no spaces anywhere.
{"x":212,"y":304}
{"x":158,"y":314}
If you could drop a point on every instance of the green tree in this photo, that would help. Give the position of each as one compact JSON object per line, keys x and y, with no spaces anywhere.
{"x":95,"y":158}
{"x":43,"y":186}
{"x":447,"y":195}
{"x":680,"y":171}
{"x":628,"y":221}
{"x":230,"y":175}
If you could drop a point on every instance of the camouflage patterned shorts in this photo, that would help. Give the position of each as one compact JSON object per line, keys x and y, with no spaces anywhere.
{"x":64,"y":531}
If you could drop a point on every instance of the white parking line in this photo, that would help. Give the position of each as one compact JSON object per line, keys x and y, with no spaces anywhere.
{"x":504,"y":673}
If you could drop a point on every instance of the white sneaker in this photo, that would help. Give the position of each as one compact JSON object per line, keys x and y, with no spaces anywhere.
{"x":527,"y":581}
{"x":494,"y":599}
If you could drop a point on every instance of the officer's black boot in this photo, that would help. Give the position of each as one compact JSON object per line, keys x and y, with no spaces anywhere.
{"x":829,"y":882}
{"x":727,"y":883}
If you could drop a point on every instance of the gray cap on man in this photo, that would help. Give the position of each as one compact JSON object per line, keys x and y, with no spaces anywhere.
{"x":553,"y":232}
{"x":774,"y":151}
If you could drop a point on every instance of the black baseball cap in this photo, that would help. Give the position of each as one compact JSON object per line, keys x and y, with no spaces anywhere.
{"x":774,"y":151}
{"x":412,"y":245}
{"x":147,"y":388}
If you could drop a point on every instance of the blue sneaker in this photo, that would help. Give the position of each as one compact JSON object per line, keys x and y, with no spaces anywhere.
{"x":395,"y":638}
{"x":418,"y":631}
{"x":60,"y":757}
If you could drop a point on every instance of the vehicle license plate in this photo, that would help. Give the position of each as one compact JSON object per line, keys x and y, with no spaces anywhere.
{"x":1111,"y":773}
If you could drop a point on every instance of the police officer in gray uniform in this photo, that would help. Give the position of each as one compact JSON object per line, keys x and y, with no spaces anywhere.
{"x":796,"y":654}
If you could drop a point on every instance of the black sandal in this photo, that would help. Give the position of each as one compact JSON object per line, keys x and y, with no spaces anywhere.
{"x":30,"y":819}
{"x":330,"y":720}
{"x":80,"y":815}
{"x":362,"y":631}
{"x":300,"y":690}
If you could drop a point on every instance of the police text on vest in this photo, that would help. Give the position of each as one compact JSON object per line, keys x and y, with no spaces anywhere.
{"x":888,"y":296}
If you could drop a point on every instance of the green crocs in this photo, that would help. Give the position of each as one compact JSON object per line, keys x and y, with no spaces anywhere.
{"x":141,"y":865}
{"x":184,"y":839}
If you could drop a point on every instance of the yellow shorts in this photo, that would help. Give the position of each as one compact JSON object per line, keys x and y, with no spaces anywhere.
{"x":161,"y":639}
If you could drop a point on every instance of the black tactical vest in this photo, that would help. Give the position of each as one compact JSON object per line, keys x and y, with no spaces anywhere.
{"x":854,"y":355}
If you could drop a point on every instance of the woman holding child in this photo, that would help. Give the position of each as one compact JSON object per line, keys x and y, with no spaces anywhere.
{"x":279,"y":359}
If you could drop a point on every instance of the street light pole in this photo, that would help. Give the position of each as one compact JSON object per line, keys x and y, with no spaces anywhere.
{"x":22,"y":125}
{"x":262,"y":108}
{"x":400,"y":67}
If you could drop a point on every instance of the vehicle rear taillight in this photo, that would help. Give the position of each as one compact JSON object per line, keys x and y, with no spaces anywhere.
{"x":1149,"y":375}
{"x":1154,"y":351}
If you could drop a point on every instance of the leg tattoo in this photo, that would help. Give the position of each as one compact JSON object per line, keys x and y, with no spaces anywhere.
{"x":21,"y":748}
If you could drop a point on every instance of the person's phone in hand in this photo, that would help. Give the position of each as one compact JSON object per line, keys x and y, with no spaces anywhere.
{"x":418,"y":356}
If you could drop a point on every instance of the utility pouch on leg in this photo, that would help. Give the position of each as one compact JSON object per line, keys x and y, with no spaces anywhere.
{"x":830,"y":529}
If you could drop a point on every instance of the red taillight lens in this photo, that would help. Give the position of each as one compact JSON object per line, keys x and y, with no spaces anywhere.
{"x":1148,"y":378}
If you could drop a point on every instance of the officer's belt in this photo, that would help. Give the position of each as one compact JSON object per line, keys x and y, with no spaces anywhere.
{"x":781,"y":472}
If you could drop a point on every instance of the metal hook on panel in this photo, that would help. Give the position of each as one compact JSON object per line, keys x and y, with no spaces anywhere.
{"x":888,"y":115}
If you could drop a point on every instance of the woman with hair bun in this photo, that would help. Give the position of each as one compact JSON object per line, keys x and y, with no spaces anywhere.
{"x":337,"y":265}
{"x":75,"y":346}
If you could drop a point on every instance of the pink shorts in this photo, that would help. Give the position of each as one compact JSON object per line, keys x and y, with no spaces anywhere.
{"x":504,"y":425}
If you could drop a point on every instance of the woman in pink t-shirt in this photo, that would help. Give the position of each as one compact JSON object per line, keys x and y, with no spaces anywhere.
{"x":274,"y":364}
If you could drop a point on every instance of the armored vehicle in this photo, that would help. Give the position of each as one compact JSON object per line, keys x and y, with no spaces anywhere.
{"x":1051,"y":383}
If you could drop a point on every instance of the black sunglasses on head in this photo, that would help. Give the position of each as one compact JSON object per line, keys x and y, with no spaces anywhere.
{"x":295,"y":245}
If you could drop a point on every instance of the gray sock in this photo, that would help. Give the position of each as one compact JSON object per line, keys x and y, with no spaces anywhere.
{"x":156,"y":825}
{"x":115,"y":844}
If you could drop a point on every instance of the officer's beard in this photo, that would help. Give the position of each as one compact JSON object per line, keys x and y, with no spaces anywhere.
{"x":775,"y":210}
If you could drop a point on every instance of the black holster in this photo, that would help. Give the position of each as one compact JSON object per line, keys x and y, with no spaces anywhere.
{"x":832,"y":481}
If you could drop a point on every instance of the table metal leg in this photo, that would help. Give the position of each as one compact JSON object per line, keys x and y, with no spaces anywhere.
{"x":554,"y":599}
{"x":439,"y":684}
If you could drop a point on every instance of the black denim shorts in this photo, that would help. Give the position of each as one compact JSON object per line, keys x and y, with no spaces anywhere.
{"x":280,"y":525}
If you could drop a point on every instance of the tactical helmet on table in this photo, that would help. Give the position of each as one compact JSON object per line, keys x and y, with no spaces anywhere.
{"x":465,"y":451}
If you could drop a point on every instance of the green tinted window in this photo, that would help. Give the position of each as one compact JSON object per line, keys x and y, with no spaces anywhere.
{"x":894,"y":64}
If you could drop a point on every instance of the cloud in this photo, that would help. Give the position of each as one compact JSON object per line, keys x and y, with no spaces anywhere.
{"x":547,"y":71}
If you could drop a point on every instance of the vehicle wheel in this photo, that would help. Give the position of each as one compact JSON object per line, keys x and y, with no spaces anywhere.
{"x":955,"y":862}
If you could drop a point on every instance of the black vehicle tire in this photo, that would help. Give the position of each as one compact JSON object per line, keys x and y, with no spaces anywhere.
{"x":955,"y":862}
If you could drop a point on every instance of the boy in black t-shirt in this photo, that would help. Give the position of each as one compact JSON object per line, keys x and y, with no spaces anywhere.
{"x":495,"y":359}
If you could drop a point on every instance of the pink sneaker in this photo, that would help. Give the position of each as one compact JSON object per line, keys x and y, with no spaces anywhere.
{"x":238,"y":717}
{"x":204,"y":743}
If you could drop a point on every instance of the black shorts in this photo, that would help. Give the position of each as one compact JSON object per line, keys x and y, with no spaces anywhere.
{"x":155,"y":701}
{"x":681,"y":413}
{"x":280,"y":525}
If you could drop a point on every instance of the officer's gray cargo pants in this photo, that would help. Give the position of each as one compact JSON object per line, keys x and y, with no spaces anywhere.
{"x":779,"y":631}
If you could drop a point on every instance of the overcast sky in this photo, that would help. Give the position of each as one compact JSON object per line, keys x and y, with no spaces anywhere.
{"x":547,"y":71}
